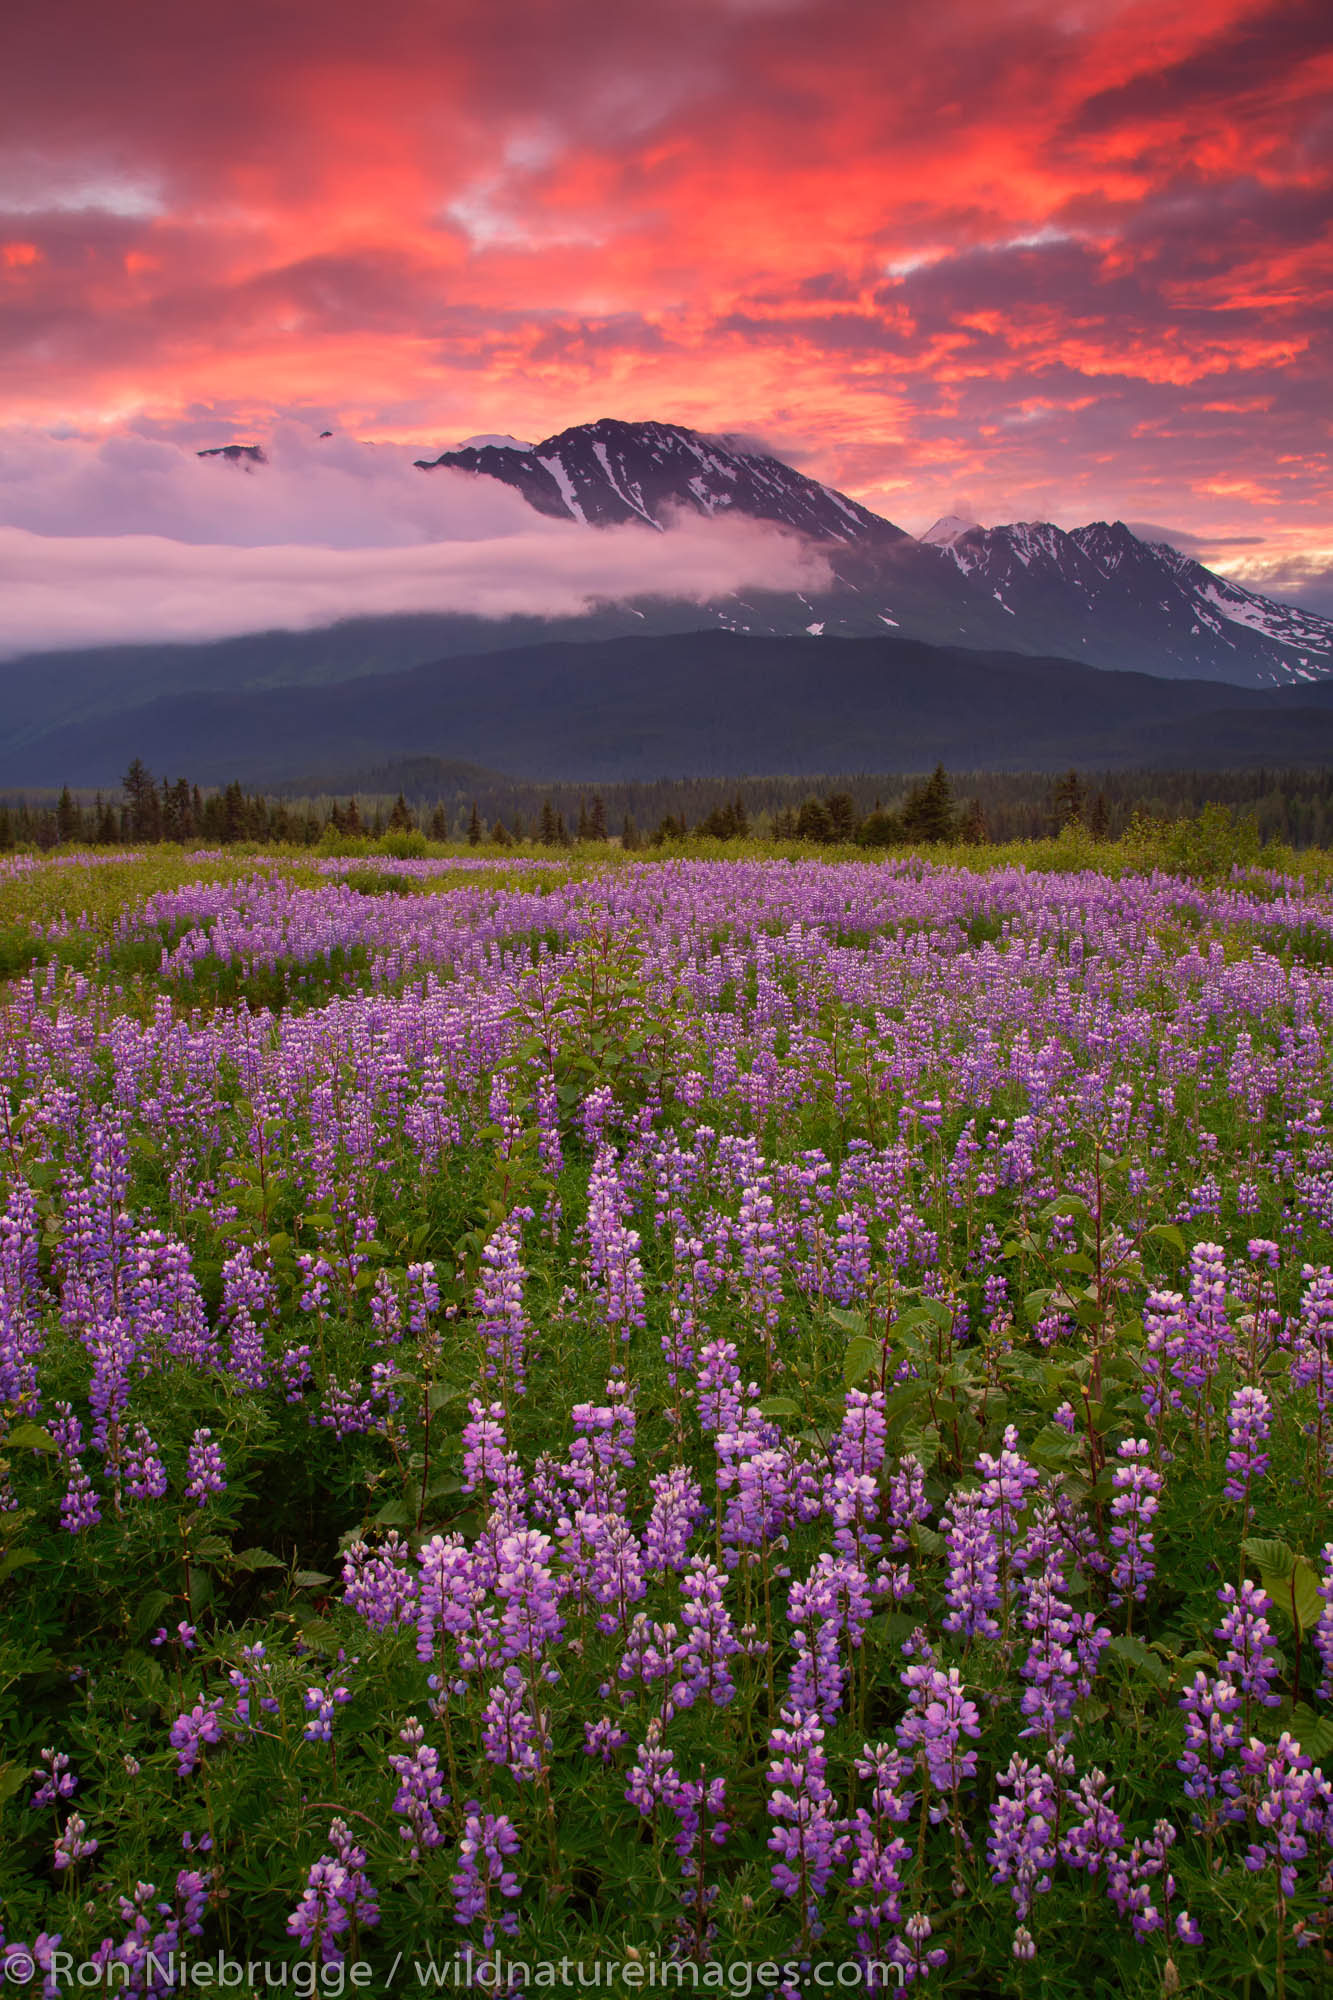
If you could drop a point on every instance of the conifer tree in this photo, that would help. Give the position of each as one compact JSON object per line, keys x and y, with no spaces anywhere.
{"x":597,"y":818}
{"x":69,"y":820}
{"x":474,"y":827}
{"x":740,"y":818}
{"x":1067,"y":800}
{"x":841,"y":810}
{"x":972,"y":832}
{"x":550,"y":834}
{"x":813,"y":823}
{"x":142,"y":802}
{"x":928,"y":814}
{"x":439,"y":822}
{"x":400,"y":819}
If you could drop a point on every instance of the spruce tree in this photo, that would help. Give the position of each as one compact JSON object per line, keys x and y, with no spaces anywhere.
{"x":474,"y":827}
{"x":69,"y":820}
{"x":550,"y":833}
{"x":841,"y":810}
{"x":400,"y":819}
{"x":597,"y":819}
{"x":972,"y":832}
{"x":142,"y":802}
{"x":928,"y":815}
{"x":813,"y":823}
{"x":439,"y":822}
{"x":740,"y":818}
{"x":1067,"y":800}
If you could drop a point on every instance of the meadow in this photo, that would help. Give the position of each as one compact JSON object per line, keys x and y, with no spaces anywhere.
{"x":757,"y":1420}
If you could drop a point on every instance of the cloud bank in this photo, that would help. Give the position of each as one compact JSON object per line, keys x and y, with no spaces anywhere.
{"x":128,"y":538}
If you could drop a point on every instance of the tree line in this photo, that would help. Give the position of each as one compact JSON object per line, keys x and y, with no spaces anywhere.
{"x":884,"y":809}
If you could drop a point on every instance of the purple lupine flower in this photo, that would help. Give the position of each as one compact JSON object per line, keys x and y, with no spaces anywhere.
{"x":80,"y":1509}
{"x":501,"y":1319}
{"x":338,"y":1895}
{"x":1249,"y":1419}
{"x":295,"y":1371}
{"x":698,"y":1804}
{"x":1130,"y":1879}
{"x":1135,"y":1500}
{"x":1005,"y":1483}
{"x":603,"y":1738}
{"x":1290,"y":1801}
{"x":453,"y":1600}
{"x":941,"y":1714}
{"x":1021,"y":1843}
{"x":192,"y":1730}
{"x":613,"y":1248}
{"x":482,"y":1875}
{"x":832,"y":1602}
{"x":320,"y":1704}
{"x":917,"y":1956}
{"x":710,"y":1642}
{"x":205,"y":1469}
{"x":530,"y":1594}
{"x":145,"y":1474}
{"x":907,"y":1501}
{"x":420,"y":1795}
{"x":1212,"y":1733}
{"x":678,"y":1507}
{"x":972,"y":1588}
{"x":386,"y":1310}
{"x":74,"y":1844}
{"x":58,"y":1780}
{"x":379,"y":1583}
{"x":719,"y":1387}
{"x":851,"y":1494}
{"x":510,"y":1734}
{"x":809,"y":1837}
{"x":653,"y":1779}
{"x":1097,"y":1835}
{"x":1250,"y":1644}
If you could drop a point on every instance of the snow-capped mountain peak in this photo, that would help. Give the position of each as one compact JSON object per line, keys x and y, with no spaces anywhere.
{"x":1099,"y":593}
{"x":611,"y":472}
{"x":947,"y":529}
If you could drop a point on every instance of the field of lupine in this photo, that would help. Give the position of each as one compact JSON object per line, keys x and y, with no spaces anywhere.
{"x":731,"y":1411}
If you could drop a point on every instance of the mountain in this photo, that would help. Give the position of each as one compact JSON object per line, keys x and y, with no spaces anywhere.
{"x":1096,"y":593}
{"x":701,"y":704}
{"x":1100,"y":593}
{"x":610,"y":472}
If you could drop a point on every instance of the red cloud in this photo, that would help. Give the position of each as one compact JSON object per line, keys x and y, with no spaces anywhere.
{"x":1069,"y":263}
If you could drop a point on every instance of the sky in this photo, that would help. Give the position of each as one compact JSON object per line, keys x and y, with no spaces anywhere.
{"x":1017,"y":259}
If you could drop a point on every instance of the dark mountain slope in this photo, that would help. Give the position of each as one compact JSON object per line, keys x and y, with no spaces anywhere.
{"x":709,"y":703}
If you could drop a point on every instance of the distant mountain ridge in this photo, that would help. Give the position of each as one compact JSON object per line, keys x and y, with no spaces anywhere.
{"x":700,"y":704}
{"x":1097,"y":593}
